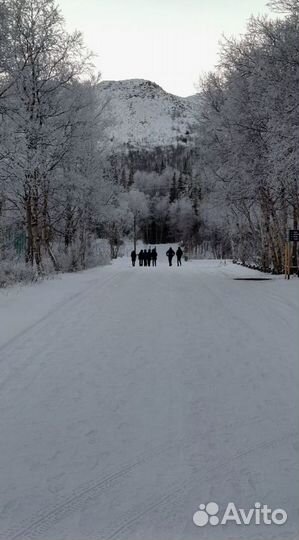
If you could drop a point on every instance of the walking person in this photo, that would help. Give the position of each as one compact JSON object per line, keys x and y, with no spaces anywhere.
{"x":179,"y":254}
{"x":154,"y":256}
{"x":141,"y":257}
{"x":133,"y":257}
{"x":149,"y":257}
{"x":170,"y":254}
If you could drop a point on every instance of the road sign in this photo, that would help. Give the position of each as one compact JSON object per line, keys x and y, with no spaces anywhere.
{"x":294,"y":235}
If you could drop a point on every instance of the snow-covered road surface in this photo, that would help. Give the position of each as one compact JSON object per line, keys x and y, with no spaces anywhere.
{"x":128,"y":397}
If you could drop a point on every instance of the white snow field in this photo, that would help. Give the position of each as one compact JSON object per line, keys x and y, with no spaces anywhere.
{"x":130,"y":396}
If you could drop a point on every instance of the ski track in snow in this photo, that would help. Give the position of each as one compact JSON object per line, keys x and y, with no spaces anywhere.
{"x":130,"y":396}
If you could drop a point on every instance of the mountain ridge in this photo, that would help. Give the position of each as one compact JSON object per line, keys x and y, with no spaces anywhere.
{"x":137,"y":114}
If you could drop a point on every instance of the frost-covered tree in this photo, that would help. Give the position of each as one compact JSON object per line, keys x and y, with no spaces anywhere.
{"x":249,"y":136}
{"x":48,"y":164}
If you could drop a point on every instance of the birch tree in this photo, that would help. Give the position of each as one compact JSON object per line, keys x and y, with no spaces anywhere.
{"x":42,"y":93}
{"x":250,"y":134}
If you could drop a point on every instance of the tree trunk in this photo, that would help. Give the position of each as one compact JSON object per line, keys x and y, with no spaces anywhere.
{"x":28,"y":226}
{"x":36,"y":237}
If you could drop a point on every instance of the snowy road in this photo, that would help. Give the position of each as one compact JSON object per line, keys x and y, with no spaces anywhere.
{"x":128,"y":397}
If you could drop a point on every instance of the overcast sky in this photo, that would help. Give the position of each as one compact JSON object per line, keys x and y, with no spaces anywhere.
{"x":170,"y":42}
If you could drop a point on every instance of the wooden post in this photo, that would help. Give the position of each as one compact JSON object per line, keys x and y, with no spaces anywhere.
{"x":292,"y":243}
{"x":287,"y":260}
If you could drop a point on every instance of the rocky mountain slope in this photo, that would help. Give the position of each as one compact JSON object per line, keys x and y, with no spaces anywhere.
{"x":139,"y":116}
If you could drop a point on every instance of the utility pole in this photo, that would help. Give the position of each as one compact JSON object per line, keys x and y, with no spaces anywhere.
{"x":135,"y":232}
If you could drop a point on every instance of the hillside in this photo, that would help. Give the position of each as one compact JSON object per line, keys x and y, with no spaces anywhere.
{"x":139,"y":115}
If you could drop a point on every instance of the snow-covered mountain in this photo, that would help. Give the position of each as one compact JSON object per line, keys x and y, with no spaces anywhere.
{"x":138,"y":115}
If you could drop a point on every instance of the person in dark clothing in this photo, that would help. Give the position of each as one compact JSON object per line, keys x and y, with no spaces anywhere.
{"x":144,"y":257}
{"x":179,"y":254}
{"x":154,"y":256}
{"x":170,"y":254}
{"x":149,"y":257}
{"x":141,"y":257}
{"x":133,"y":257}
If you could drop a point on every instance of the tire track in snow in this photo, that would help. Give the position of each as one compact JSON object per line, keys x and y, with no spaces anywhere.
{"x":85,"y":492}
{"x":89,"y":491}
{"x":53,"y":310}
{"x":18,"y":343}
{"x":177,"y":489}
{"x":81,"y":495}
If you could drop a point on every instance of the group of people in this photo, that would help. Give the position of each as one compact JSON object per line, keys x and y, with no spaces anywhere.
{"x":148,"y":257}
